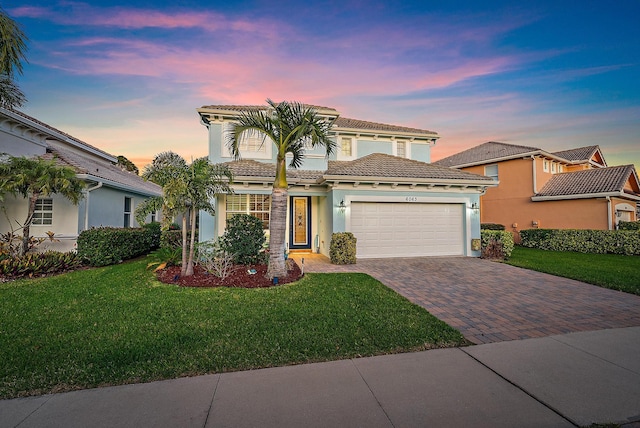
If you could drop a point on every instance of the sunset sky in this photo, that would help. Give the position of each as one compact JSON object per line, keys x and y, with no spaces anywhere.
{"x":128,"y":76}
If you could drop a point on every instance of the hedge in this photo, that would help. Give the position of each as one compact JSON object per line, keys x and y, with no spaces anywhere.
{"x":104,"y":246}
{"x":496,"y":244}
{"x":36,"y":264}
{"x":629,"y":225}
{"x":626,"y":242}
{"x":491,"y":226}
{"x":172,"y":238}
{"x":342,"y":249}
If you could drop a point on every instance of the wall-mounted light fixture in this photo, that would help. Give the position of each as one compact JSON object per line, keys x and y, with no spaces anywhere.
{"x":474,"y":207}
{"x":342,"y":207}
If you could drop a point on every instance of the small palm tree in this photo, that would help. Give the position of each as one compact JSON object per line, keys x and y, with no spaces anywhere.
{"x":34,"y":178}
{"x":12,"y":53}
{"x":187,"y":189}
{"x":292,"y":127}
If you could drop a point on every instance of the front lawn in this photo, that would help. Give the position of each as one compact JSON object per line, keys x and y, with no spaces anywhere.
{"x":606,"y":270}
{"x":118,"y":324}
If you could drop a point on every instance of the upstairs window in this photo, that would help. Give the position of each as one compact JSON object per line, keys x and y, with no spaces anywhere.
{"x":545,"y":165}
{"x":491,"y":171}
{"x":43,"y":214}
{"x":401,"y":149}
{"x":553,"y":167}
{"x":346,"y":147}
{"x":252,"y":144}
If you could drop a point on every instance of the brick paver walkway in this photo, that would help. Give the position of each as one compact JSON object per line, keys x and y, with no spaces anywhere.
{"x":493,"y":302}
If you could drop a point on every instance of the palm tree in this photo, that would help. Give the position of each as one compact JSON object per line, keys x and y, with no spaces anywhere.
{"x":187,"y":189}
{"x":12,"y":53}
{"x":292,"y":127}
{"x":34,"y":178}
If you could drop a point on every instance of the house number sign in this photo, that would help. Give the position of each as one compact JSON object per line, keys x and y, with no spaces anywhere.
{"x":411,"y":199}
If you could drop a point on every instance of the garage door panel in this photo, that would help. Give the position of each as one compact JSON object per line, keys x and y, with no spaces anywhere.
{"x":407,"y":229}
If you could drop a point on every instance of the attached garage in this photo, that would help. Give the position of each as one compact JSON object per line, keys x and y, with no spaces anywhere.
{"x":391,"y":229}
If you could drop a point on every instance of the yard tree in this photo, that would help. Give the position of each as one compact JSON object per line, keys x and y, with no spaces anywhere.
{"x":186,"y":189}
{"x":13,"y":45}
{"x":35,"y":178}
{"x":292,"y":127}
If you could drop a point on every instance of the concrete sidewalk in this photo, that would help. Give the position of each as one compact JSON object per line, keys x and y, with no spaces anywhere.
{"x":558,"y":381}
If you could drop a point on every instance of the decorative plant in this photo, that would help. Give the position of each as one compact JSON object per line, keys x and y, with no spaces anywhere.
{"x":244,"y":239}
{"x":214,"y":259}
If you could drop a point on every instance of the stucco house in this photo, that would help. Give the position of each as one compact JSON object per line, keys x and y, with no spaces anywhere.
{"x":110,"y":196}
{"x":570,"y":189}
{"x":379,"y":185}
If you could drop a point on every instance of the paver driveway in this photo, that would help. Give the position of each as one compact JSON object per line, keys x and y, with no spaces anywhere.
{"x":493,"y":302}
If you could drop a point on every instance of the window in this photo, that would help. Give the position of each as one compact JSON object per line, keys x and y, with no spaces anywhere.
{"x":553,"y":167}
{"x":491,"y":171}
{"x":154,"y":216}
{"x":43,"y":214}
{"x":346,"y":147}
{"x":560,"y":168}
{"x":127,"y":212}
{"x":401,"y":149}
{"x":545,"y":165}
{"x":252,"y":142}
{"x":255,"y":205}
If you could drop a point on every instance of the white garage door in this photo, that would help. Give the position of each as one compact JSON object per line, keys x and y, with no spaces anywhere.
{"x":407,"y":229}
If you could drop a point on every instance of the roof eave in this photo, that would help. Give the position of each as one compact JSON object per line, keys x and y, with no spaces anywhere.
{"x":115,"y":184}
{"x":431,"y":136}
{"x":442,"y":181}
{"x":585,"y":196}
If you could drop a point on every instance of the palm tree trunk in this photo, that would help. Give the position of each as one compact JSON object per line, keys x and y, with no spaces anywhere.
{"x":189,"y":271}
{"x":183,"y":270}
{"x":277,"y":233}
{"x":26,"y":227}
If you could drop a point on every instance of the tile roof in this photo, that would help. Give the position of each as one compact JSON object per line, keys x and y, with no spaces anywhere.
{"x":99,"y":169}
{"x":64,"y":134}
{"x":579,"y":154}
{"x":241,"y":108}
{"x":253,"y":168}
{"x":383,"y":165}
{"x":589,"y":181}
{"x":485,"y":152}
{"x":343,"y":122}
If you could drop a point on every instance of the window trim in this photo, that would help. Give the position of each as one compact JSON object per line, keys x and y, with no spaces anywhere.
{"x":266,"y":153}
{"x":39,"y":213}
{"x":497,"y":173}
{"x":354,"y":145}
{"x":127,"y":214}
{"x":245,"y":207}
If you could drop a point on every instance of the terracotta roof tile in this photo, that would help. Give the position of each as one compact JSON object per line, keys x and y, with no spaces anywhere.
{"x":579,"y":154}
{"x":252,"y":168}
{"x":485,"y":153}
{"x":100,"y":169}
{"x":344,"y":122}
{"x":383,"y":165}
{"x":589,"y":181}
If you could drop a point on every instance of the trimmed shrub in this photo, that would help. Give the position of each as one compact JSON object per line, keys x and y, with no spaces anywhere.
{"x":36,"y":264}
{"x":173,"y":238}
{"x":343,"y":248}
{"x":629,"y":225}
{"x":496,"y":244}
{"x":491,"y":226}
{"x":625,"y":242}
{"x":104,"y":246}
{"x":244,"y":239}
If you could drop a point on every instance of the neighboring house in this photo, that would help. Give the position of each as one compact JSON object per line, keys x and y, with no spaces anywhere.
{"x":571,"y":189}
{"x":110,"y":197}
{"x":379,"y":185}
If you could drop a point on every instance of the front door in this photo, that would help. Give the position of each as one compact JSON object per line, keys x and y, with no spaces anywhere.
{"x":300,"y":223}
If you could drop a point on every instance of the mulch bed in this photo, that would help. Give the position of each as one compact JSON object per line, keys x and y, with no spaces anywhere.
{"x":240,"y":277}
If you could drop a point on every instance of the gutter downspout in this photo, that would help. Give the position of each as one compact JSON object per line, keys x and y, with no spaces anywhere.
{"x":609,"y":213}
{"x":535,"y":187}
{"x":86,"y":207}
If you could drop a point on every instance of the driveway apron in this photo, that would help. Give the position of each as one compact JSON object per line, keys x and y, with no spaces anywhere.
{"x":493,"y":302}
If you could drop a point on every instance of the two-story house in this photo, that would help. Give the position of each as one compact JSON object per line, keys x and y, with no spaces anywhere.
{"x":379,"y":185}
{"x":571,"y":189}
{"x":110,"y":196}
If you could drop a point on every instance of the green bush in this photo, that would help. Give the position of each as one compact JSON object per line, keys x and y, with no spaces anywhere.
{"x":173,"y":238}
{"x":35,"y":264}
{"x":244,"y":239}
{"x":491,"y":226}
{"x":625,"y":242}
{"x":104,"y":246}
{"x":343,"y":248}
{"x":496,"y":244}
{"x":629,"y":225}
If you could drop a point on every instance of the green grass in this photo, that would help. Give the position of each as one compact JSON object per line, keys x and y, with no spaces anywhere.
{"x":117,"y":325}
{"x":606,"y":270}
